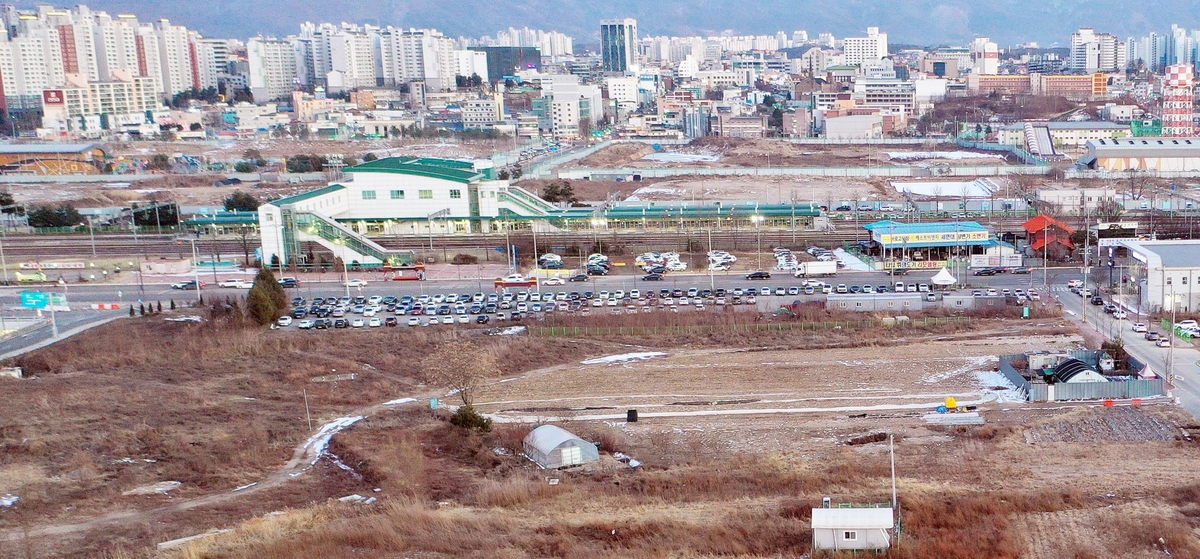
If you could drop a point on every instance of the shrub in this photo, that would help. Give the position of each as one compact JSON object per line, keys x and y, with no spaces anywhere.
{"x":464,"y":259}
{"x":467,"y":418}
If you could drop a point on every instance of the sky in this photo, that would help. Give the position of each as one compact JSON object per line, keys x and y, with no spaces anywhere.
{"x":921,"y":22}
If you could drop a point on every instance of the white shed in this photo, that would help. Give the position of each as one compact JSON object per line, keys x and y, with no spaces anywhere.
{"x":852,"y":528}
{"x":555,"y":447}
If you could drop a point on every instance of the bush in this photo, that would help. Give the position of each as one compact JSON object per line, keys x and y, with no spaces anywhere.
{"x":467,"y":418}
{"x":464,"y":259}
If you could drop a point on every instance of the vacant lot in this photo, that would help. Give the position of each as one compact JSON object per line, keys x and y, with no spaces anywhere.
{"x":740,"y":436}
{"x":739,"y":152}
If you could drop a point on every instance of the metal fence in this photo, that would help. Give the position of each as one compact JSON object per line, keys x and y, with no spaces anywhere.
{"x":585,"y":331}
{"x":1099,"y":390}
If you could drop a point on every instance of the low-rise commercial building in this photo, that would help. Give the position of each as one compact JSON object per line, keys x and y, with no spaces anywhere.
{"x":1163,"y":274}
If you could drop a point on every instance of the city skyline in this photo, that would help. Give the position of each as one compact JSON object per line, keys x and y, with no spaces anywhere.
{"x":918,"y":22}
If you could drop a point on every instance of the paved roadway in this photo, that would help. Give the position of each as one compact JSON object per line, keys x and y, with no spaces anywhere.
{"x":1184,"y":364}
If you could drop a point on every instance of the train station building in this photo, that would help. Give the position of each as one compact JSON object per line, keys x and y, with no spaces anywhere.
{"x":435,"y":197}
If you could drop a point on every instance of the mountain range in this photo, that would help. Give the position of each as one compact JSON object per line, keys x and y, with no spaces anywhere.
{"x":925,"y":22}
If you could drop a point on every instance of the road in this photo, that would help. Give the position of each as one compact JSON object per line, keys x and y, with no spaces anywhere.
{"x":1184,"y":365}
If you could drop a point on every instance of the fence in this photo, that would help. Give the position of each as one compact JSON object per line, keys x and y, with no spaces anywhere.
{"x":584,"y":331}
{"x":1098,"y":390}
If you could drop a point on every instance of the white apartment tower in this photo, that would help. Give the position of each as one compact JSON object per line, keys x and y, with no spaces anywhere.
{"x":272,"y":68}
{"x":1097,"y":52}
{"x":872,"y":47}
{"x":353,"y":55}
{"x":1178,"y":101}
{"x":985,"y":56}
{"x":175,"y":55}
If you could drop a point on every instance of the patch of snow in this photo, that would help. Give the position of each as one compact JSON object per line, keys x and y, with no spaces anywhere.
{"x":510,"y":331}
{"x":510,"y":379}
{"x":500,"y":451}
{"x":653,"y":190}
{"x":9,"y":500}
{"x":627,"y":459}
{"x":990,"y":380}
{"x":852,"y":262}
{"x":979,"y":188}
{"x":672,"y":157}
{"x":972,"y":365}
{"x":624,"y":357}
{"x":244,"y":487}
{"x":163,"y":487}
{"x":400,"y":401}
{"x":953,"y":155}
{"x":192,"y":318}
{"x":316,"y":445}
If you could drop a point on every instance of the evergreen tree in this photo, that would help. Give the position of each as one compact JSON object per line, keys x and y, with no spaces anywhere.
{"x":267,"y":300}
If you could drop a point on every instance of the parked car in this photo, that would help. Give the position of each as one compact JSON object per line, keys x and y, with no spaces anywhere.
{"x":1020,"y":270}
{"x":190,"y":284}
{"x":985,"y":272}
{"x":1120,"y":314}
{"x":391,"y":321}
{"x":758,"y":276}
{"x":305,"y":324}
{"x":285,"y":321}
{"x":1097,"y":300}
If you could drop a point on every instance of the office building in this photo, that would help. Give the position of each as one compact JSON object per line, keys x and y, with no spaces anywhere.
{"x":619,"y":44}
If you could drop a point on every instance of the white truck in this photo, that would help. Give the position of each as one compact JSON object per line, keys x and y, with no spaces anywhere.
{"x":812,"y":269}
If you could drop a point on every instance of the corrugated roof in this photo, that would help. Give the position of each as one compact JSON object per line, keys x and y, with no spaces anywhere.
{"x":307,"y":195}
{"x":1072,"y":125}
{"x":1174,"y":254}
{"x":445,"y":169}
{"x":1144,"y":147}
{"x":862,"y":519}
{"x":45,"y":148}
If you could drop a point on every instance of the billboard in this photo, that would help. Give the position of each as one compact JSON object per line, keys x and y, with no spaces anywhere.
{"x":945,"y":237}
{"x":53,"y":97}
{"x":996,"y":261}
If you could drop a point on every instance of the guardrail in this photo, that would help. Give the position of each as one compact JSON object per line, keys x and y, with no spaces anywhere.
{"x":584,"y":331}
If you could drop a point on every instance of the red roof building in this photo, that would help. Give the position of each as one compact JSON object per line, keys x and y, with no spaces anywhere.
{"x":1050,"y":236}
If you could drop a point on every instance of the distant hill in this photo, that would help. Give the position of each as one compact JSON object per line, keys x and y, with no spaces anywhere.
{"x":922,"y":22}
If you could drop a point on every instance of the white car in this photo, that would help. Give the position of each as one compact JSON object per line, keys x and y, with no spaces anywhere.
{"x":236,"y":283}
{"x":1187,"y":324}
{"x":1163,"y":342}
{"x":1120,"y":315}
{"x":357,"y":323}
{"x":356,"y":283}
{"x":1139,"y":327}
{"x":553,"y":281}
{"x":447,"y":319}
{"x":414,"y":321}
{"x":305,"y":324}
{"x":285,"y":321}
{"x":676,"y":266}
{"x":374,"y":322}
{"x":464,"y":319}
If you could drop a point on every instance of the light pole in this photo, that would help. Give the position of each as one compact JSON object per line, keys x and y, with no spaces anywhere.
{"x":757,"y":220}
{"x":92,"y":234}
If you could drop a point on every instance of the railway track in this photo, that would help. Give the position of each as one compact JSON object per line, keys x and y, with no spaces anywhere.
{"x":116,"y":245}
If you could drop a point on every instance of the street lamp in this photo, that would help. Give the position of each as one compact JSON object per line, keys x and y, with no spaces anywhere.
{"x":757,"y":220}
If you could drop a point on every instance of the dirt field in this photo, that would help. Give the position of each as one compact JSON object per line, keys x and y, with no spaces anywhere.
{"x":734,"y":152}
{"x":738,"y":439}
{"x":233,"y":150}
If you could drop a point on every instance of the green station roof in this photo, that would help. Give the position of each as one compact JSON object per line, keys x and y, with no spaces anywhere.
{"x":445,"y":169}
{"x":307,"y":195}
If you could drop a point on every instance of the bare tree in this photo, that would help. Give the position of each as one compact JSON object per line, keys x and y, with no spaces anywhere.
{"x":460,"y":367}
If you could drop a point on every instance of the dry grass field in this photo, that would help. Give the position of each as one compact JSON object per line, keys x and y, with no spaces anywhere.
{"x":740,"y":437}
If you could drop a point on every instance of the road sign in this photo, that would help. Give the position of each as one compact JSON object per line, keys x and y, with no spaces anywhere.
{"x":35,"y":299}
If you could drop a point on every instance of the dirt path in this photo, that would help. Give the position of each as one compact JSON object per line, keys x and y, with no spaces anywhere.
{"x":303,"y":458}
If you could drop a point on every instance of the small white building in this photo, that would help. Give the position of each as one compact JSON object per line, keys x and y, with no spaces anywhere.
{"x":836,"y":529}
{"x":554,"y":447}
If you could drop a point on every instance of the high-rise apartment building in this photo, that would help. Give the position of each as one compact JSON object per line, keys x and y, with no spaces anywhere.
{"x":272,"y":65}
{"x":872,"y":47}
{"x":1097,"y":52}
{"x":619,"y":44}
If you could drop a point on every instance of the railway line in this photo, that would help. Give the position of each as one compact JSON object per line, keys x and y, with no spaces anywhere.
{"x":124,"y":245}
